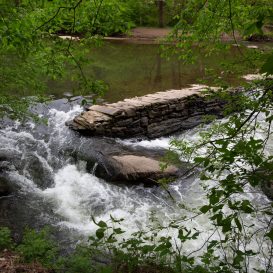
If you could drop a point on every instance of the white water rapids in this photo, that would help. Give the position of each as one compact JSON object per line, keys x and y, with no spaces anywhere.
{"x":45,"y":170}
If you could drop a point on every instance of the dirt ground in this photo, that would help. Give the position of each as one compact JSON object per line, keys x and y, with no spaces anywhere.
{"x":149,"y":33}
{"x":11,"y":263}
{"x":153,"y":34}
{"x":143,"y":35}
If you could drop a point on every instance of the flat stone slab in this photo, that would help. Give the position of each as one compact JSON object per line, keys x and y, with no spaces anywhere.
{"x":153,"y":115}
{"x":105,"y":109}
{"x":133,"y":164}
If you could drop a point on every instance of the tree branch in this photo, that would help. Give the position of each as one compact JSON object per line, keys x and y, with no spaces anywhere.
{"x":57,"y":12}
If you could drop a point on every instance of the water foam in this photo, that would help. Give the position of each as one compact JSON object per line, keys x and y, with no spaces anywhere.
{"x":76,"y":195}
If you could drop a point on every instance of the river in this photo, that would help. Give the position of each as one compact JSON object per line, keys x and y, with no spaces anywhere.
{"x":54,"y":186}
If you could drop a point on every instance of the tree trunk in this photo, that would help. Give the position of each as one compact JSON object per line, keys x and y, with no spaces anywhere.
{"x":161,"y":13}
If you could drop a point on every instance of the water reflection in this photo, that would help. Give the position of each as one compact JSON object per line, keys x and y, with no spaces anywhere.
{"x":138,"y":69}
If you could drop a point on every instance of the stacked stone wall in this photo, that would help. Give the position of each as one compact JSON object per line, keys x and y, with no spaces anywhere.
{"x":152,"y":115}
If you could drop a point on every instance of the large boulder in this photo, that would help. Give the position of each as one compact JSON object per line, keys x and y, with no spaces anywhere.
{"x":134,"y":168}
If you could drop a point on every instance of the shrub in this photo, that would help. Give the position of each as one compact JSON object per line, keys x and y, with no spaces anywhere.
{"x":5,"y":238}
{"x":79,"y":261}
{"x":37,"y":246}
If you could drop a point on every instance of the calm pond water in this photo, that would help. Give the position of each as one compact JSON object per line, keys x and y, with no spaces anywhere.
{"x":137,"y":69}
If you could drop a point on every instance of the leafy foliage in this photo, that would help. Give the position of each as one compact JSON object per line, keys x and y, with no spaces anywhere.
{"x":79,"y":261}
{"x":35,"y":53}
{"x":5,"y":239}
{"x":206,"y":24}
{"x":38,"y":247}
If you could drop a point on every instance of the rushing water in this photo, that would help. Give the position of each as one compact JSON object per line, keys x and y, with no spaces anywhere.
{"x":54,"y":187}
{"x":52,"y":169}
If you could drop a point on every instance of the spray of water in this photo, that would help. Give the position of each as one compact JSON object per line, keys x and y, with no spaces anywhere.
{"x":41,"y":167}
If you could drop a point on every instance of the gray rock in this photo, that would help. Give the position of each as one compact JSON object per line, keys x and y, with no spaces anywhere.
{"x":124,"y":122}
{"x":144,"y":121}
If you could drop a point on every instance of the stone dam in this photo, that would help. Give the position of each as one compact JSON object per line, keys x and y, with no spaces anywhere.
{"x":153,"y":115}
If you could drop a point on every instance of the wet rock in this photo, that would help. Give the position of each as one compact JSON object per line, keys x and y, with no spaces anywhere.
{"x":267,"y":187}
{"x":265,"y":178}
{"x":134,"y":168}
{"x":5,"y":188}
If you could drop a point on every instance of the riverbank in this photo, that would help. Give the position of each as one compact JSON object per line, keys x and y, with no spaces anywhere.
{"x":11,"y":262}
{"x":148,"y":35}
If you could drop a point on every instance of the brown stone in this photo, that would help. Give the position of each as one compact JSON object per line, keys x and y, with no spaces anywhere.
{"x":134,"y":124}
{"x":144,"y":121}
{"x":130,"y":112}
{"x":152,"y":115}
{"x":137,"y":168}
{"x":180,"y":106}
{"x":118,"y":129}
{"x":106,"y":110}
{"x":135,"y":131}
{"x":125,"y":122}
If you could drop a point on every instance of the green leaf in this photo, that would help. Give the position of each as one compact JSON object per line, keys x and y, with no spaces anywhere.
{"x":102,"y":224}
{"x":238,"y":259}
{"x":267,"y":67}
{"x":214,"y":197}
{"x":118,"y":230}
{"x":251,"y":29}
{"x":199,"y":159}
{"x":246,"y":207}
{"x":100,"y":233}
{"x":204,"y":177}
{"x":226,"y":223}
{"x":238,"y":224}
{"x":83,"y":102}
{"x":205,"y":208}
{"x":270,"y":234}
{"x":212,"y":244}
